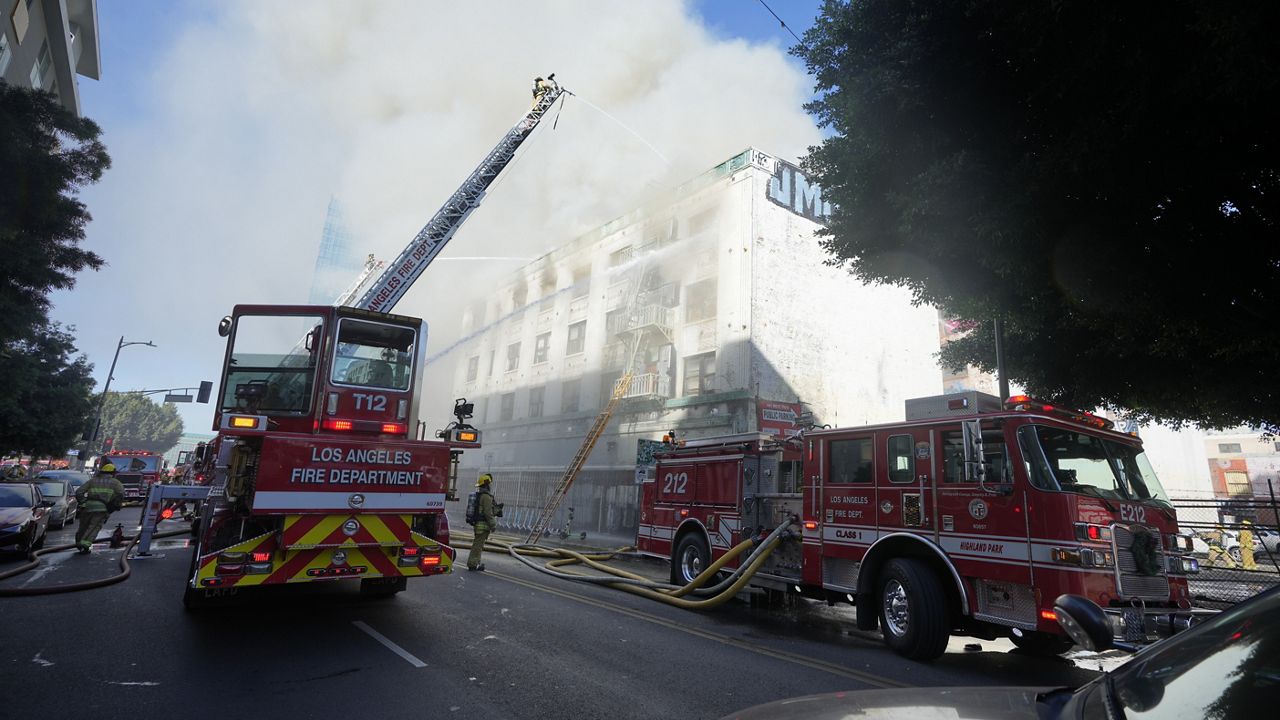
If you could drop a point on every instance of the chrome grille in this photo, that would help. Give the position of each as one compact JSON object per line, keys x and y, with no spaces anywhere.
{"x":911,"y":509}
{"x":840,"y":573}
{"x":1129,"y":582}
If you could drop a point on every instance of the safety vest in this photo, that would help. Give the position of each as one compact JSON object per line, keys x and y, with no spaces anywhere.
{"x":101,"y":494}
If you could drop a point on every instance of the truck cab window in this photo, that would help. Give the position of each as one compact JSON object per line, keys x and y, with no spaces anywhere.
{"x":373,"y":354}
{"x":851,"y":461}
{"x":271,"y":369}
{"x":995,"y":457}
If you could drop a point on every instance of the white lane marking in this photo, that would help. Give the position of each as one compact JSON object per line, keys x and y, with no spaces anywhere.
{"x":390,"y":645}
{"x":144,"y":683}
{"x":41,"y":661}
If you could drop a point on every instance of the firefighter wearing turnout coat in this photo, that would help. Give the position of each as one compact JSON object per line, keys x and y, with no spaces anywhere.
{"x":480,"y":513}
{"x":98,"y":498}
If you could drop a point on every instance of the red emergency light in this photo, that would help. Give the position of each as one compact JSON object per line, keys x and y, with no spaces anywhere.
{"x":336,"y":424}
{"x":166,"y":513}
{"x":260,"y":557}
{"x":394,"y":428}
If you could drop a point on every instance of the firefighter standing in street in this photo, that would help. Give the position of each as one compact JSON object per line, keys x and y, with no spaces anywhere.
{"x":98,"y":498}
{"x":482,"y":519}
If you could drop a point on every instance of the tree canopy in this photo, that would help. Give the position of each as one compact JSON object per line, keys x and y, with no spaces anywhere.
{"x":1104,"y":177}
{"x":45,"y":395}
{"x":47,"y":154}
{"x":135,"y":422}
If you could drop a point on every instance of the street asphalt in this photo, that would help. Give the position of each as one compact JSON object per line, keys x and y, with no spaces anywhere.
{"x":507,"y":643}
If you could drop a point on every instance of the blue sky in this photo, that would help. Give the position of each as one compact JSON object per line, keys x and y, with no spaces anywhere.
{"x":176,"y":79}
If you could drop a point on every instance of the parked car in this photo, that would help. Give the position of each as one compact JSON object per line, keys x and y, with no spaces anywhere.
{"x":24,"y":517}
{"x":1225,"y":667}
{"x":73,"y":478}
{"x":64,"y":505}
{"x":1269,"y":538}
{"x":1230,"y":541}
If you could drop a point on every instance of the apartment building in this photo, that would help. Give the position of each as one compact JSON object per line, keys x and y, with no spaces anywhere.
{"x":46,"y":44}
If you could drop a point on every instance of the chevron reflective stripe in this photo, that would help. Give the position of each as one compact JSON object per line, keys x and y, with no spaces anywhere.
{"x":314,"y":531}
{"x":278,"y":501}
{"x":317,"y":564}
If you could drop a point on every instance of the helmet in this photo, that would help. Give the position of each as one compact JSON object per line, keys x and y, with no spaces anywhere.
{"x":485,"y":480}
{"x":107,"y":468}
{"x":16,"y":472}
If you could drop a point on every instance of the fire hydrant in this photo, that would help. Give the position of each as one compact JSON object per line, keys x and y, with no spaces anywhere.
{"x":117,"y":537}
{"x":1246,"y":546}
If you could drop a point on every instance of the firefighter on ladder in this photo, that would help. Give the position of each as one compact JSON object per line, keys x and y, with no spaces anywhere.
{"x":483,"y":520}
{"x":98,"y":498}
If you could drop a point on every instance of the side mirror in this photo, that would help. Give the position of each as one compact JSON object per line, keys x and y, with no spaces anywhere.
{"x":1085,"y":622}
{"x":46,"y":503}
{"x":224,"y":326}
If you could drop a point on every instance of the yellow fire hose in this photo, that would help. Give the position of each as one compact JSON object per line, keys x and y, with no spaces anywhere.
{"x":637,"y":585}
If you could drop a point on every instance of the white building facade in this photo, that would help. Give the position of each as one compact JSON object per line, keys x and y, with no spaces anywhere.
{"x":722,"y":305}
{"x":48,"y":44}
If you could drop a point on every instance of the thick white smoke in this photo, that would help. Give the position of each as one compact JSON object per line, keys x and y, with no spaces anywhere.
{"x":260,"y":115}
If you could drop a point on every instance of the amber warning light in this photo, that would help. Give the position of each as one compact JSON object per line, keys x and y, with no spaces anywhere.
{"x":243,"y":421}
{"x":467,"y":435}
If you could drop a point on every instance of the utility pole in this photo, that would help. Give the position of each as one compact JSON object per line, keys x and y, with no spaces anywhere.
{"x":97,"y":425}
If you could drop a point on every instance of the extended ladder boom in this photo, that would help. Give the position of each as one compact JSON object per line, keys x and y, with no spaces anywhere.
{"x":395,"y":281}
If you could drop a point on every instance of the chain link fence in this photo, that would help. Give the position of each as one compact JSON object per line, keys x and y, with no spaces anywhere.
{"x":1235,"y":540}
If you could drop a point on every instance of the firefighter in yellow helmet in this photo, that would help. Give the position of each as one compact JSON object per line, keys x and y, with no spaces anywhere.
{"x":480,"y":513}
{"x":15,"y":473}
{"x":98,"y":498}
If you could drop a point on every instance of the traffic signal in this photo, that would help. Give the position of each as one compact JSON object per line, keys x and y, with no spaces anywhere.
{"x":106,"y":444}
{"x":206,"y":387}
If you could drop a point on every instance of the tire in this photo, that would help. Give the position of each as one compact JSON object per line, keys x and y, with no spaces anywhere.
{"x":383,"y":587}
{"x":691,"y":557}
{"x":1235,"y":554}
{"x":38,"y":544}
{"x":914,"y":616}
{"x":1042,"y":643}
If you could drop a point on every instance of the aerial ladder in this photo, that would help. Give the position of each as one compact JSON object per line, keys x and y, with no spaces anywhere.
{"x":371,"y":266}
{"x":400,"y":275}
{"x":598,"y":427}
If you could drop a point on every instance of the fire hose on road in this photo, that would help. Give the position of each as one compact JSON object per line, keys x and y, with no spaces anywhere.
{"x":710,"y":597}
{"x":33,"y":561}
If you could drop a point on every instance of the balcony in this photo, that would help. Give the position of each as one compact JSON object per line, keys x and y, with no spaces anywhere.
{"x":647,"y":317}
{"x":648,"y":386}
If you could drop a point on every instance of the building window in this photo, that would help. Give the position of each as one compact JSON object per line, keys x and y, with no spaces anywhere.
{"x":581,"y":281}
{"x":577,"y":338}
{"x":615,"y":321}
{"x":1238,"y":483}
{"x":40,"y":71}
{"x":661,"y":233}
{"x":5,"y":53}
{"x":536,"y":397}
{"x":473,"y":368}
{"x":513,"y":356}
{"x":520,"y":296}
{"x":1228,"y":447}
{"x":621,"y":256}
{"x":541,"y":348}
{"x":548,"y":289}
{"x":901,"y":449}
{"x":1278,"y":447}
{"x":700,"y":374}
{"x":701,"y":222}
{"x":507,"y":410}
{"x":570,"y":396}
{"x":492,"y":360}
{"x":851,"y":461}
{"x":700,"y":301}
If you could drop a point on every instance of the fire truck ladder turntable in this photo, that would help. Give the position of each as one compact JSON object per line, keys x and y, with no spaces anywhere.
{"x":597,"y":428}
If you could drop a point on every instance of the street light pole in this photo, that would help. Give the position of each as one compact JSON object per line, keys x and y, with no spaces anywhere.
{"x":102,"y":402}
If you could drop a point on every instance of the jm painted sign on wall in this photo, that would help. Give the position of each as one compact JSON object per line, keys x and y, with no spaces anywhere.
{"x":790,"y":188}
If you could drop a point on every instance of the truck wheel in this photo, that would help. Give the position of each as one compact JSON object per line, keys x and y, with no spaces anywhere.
{"x":691,"y":557}
{"x":913,"y":611}
{"x":382,"y":587}
{"x":1041,"y":643}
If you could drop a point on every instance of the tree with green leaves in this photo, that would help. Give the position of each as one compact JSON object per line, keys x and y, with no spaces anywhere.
{"x":1103,"y":177}
{"x":135,"y":422}
{"x":46,"y":393}
{"x":47,"y":154}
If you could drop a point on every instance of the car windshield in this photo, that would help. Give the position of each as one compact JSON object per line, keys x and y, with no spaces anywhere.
{"x":53,"y":489}
{"x":273,"y":364}
{"x":134,"y":463}
{"x":1074,"y":461}
{"x":1215,"y":671}
{"x":375,"y":355}
{"x":16,"y":496}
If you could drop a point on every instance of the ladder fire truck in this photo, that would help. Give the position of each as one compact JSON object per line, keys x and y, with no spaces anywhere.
{"x":971,"y":517}
{"x":317,"y":472}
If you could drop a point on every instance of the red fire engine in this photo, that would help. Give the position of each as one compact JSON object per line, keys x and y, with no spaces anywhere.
{"x":969,"y":518}
{"x":315,"y":473}
{"x":137,"y":470}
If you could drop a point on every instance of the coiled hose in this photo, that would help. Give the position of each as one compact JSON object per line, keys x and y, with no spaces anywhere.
{"x":619,"y":579}
{"x":33,"y":561}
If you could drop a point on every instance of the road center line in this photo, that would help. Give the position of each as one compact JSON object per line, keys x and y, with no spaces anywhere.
{"x":872,"y":679}
{"x":390,"y":645}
